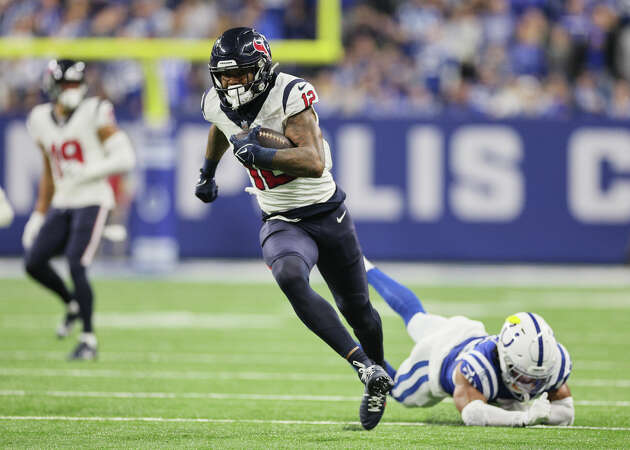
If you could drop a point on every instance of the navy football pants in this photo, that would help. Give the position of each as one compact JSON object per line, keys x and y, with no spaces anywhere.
{"x":75,"y":233}
{"x":291,"y":249}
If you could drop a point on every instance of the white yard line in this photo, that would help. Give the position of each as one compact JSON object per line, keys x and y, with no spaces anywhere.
{"x":227,"y":396}
{"x":196,"y":375}
{"x":261,"y":421}
{"x":213,"y":358}
{"x":446,"y":274}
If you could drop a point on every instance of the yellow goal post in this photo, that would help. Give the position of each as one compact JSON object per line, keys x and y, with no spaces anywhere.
{"x":326,"y":48}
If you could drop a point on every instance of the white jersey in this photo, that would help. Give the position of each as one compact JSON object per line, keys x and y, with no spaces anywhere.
{"x":427,"y":376}
{"x":71,"y":147}
{"x":276,"y":192}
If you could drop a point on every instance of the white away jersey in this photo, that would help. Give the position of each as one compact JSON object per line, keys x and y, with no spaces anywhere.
{"x":276,"y":192}
{"x":72,"y":146}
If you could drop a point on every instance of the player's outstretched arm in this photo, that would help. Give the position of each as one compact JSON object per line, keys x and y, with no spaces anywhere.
{"x":562,"y":410}
{"x":206,"y":189}
{"x":307,"y":158}
{"x":476,"y":411}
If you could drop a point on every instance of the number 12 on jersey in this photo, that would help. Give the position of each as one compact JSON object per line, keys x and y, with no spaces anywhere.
{"x":271,"y":180}
{"x":309,"y":98}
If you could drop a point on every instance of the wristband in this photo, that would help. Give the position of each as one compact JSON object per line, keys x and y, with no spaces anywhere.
{"x":264,"y":156}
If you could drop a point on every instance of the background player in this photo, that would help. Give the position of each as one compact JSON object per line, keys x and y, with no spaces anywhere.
{"x":6,"y":212}
{"x":81,"y":146}
{"x":305,"y":219}
{"x":457,"y":357}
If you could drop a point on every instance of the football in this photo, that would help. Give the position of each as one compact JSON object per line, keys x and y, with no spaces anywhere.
{"x":270,"y":138}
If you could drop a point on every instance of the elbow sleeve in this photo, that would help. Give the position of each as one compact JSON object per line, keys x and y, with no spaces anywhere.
{"x":562,"y":412}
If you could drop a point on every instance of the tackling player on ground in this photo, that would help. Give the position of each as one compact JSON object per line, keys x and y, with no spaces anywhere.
{"x":515,"y":378}
{"x":81,"y":147}
{"x":305,"y":219}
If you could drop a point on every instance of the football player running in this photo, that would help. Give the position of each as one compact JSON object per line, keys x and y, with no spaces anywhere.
{"x":81,"y":146}
{"x":305,"y":221}
{"x":515,"y":378}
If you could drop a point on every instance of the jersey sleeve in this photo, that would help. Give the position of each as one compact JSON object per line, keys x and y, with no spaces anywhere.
{"x":564,"y":368}
{"x":105,"y":114}
{"x":298,"y":95}
{"x":480,"y":373}
{"x":32,"y":126}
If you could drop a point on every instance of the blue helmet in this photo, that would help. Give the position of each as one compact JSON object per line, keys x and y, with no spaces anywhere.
{"x":239,"y":51}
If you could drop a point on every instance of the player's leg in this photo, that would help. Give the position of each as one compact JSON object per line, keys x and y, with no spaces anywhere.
{"x":291,"y":253}
{"x":51,"y":241}
{"x":412,"y":386}
{"x":398,"y":297}
{"x":85,"y":235}
{"x":341,"y":265}
{"x":402,"y":300}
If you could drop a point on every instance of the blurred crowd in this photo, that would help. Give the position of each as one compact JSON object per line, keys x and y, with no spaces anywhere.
{"x":493,"y":58}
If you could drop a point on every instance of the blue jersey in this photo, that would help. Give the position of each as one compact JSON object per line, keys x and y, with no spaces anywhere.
{"x":480,"y":365}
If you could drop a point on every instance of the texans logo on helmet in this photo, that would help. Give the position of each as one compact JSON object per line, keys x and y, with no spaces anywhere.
{"x":260,"y":46}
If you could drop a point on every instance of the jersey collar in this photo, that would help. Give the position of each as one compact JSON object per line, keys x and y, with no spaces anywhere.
{"x":246,"y":114}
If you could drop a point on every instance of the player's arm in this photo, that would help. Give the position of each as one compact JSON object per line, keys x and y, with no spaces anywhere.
{"x":119,"y":154}
{"x":206,"y":189}
{"x":307,"y":158}
{"x":45,"y":194}
{"x":562,"y":410}
{"x":46,"y":188}
{"x":6,"y":212}
{"x":475,"y":409}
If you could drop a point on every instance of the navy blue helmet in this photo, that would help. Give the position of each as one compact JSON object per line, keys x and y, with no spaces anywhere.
{"x":239,"y":51}
{"x":60,"y":71}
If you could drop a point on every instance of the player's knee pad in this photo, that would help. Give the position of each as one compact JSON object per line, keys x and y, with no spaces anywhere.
{"x":291,"y":273}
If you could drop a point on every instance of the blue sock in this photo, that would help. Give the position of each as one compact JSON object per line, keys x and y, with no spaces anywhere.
{"x":397,"y":296}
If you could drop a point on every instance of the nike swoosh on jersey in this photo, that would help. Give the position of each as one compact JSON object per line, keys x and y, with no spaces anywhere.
{"x":300,"y":88}
{"x":340,"y":218}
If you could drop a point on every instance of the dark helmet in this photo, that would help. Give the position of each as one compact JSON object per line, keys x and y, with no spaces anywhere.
{"x":61,"y":71}
{"x":242,"y":50}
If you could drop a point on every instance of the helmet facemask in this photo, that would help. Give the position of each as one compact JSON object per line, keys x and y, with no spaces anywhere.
{"x":523,"y":385}
{"x":237,"y":95}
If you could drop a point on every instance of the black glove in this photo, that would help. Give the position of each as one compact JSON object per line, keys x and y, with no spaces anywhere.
{"x":206,"y":189}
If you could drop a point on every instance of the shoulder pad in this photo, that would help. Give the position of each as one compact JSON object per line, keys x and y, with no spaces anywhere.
{"x":209,"y":104}
{"x":298,"y":95}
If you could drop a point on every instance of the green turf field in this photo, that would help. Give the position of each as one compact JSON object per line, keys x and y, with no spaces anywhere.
{"x":218,"y":365}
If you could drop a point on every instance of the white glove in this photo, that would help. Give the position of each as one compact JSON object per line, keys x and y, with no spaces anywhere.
{"x":539,"y":411}
{"x":31,"y":229}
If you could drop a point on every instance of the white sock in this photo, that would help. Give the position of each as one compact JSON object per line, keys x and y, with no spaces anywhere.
{"x":88,"y":338}
{"x":368,"y":265}
{"x":72,"y":307}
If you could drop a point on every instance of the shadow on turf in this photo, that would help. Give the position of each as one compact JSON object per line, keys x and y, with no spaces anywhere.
{"x":438,"y":422}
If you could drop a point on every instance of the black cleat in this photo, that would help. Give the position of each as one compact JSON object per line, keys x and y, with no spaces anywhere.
{"x":377,"y":384}
{"x":83,"y":351}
